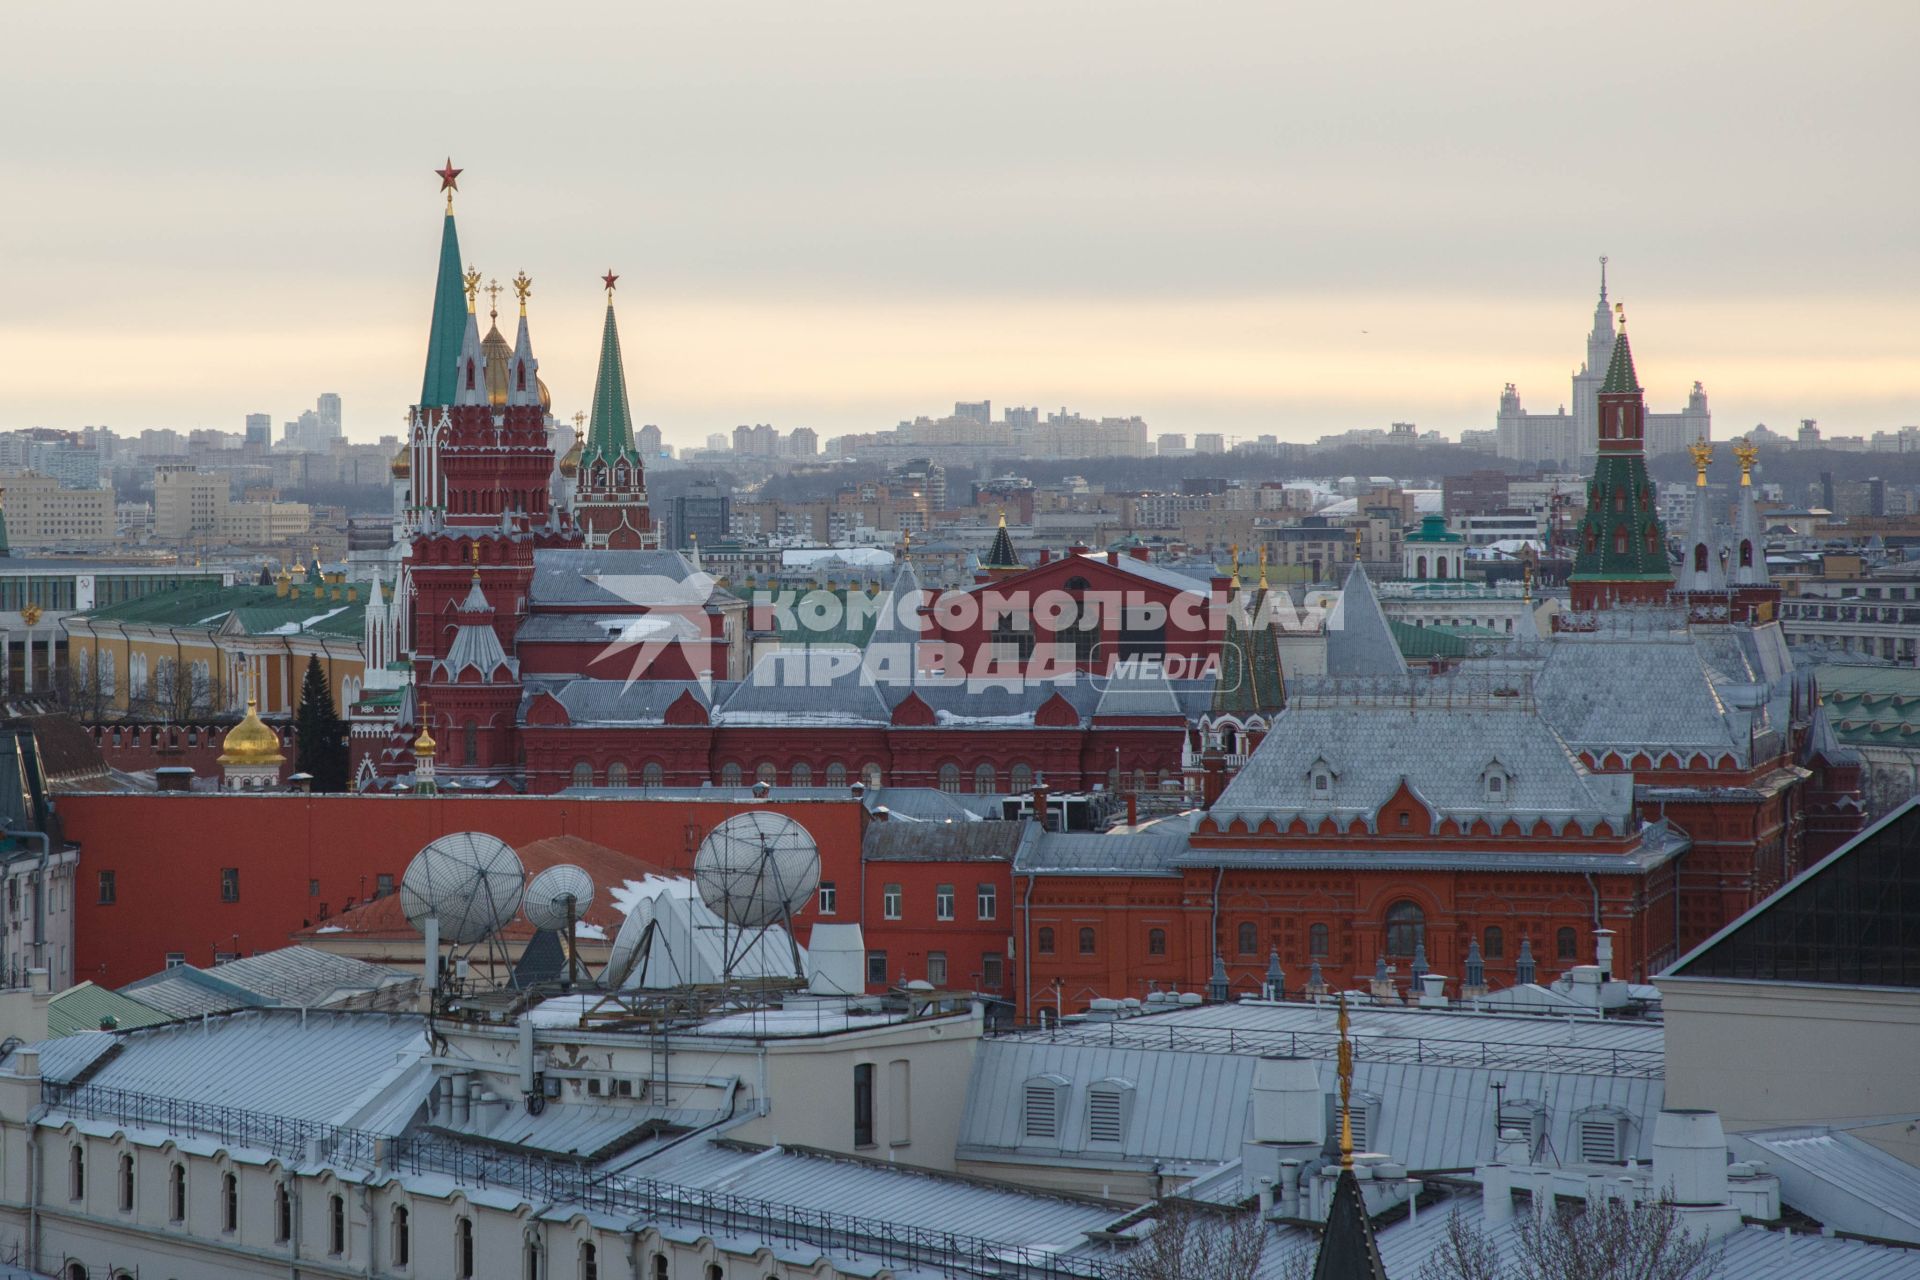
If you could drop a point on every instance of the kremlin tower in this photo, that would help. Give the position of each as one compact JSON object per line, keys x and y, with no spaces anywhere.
{"x":610,"y":488}
{"x":1620,"y":555}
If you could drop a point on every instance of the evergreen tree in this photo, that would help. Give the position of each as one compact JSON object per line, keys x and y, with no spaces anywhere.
{"x":320,"y":735}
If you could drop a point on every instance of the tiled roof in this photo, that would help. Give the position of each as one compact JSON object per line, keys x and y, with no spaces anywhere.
{"x":1359,"y":642}
{"x":1632,"y":693}
{"x":950,"y":841}
{"x":1443,"y":752}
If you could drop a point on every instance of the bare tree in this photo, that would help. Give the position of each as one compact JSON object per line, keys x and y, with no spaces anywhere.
{"x":1192,"y":1242}
{"x":1611,"y":1240}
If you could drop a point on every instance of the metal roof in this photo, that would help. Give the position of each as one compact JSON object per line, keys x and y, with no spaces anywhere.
{"x":1080,"y":853}
{"x":1846,"y":1183}
{"x":986,"y":841}
{"x":81,"y":1008}
{"x":322,"y":1067}
{"x":1359,"y":642}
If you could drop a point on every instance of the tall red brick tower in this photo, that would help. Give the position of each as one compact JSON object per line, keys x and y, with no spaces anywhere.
{"x":1620,"y":555}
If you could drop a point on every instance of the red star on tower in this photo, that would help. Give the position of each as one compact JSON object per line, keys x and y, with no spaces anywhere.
{"x":449,"y":176}
{"x":609,"y":278}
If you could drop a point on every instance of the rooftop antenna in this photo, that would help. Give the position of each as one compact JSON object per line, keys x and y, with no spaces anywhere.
{"x":754,"y":871}
{"x":555,"y":900}
{"x":462,"y":888}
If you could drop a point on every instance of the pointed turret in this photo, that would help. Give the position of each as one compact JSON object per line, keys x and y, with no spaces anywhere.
{"x":1359,"y":641}
{"x":523,"y":377}
{"x":610,"y":431}
{"x":1001,"y":554}
{"x":1701,"y":566}
{"x":449,"y":323}
{"x":1621,"y":553}
{"x":471,"y":370}
{"x":1748,"y":567}
{"x":1348,"y":1250}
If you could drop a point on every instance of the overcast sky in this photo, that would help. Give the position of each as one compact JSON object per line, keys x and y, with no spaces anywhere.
{"x":1231,"y":217}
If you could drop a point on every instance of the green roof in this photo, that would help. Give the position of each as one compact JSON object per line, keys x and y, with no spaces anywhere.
{"x":1435,"y":642}
{"x":1872,"y":706}
{"x":1434,"y":529}
{"x":610,"y":433}
{"x":257,"y":609}
{"x":1620,"y":375}
{"x":1620,"y":538}
{"x":83,"y":1007}
{"x":449,"y":323}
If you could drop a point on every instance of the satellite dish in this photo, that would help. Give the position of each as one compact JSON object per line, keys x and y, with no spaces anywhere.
{"x":471,"y":882}
{"x":626,"y":944}
{"x":558,"y":896}
{"x":757,"y":868}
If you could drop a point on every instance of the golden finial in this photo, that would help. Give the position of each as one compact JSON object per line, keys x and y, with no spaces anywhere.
{"x":1526,"y":582}
{"x":1346,"y":1088}
{"x":424,"y":744}
{"x":493,"y":298}
{"x":1003,"y":513}
{"x":1263,"y":566}
{"x":906,"y":556}
{"x":1746,"y":450}
{"x":522,"y":286}
{"x":30,"y":614}
{"x":579,"y":420}
{"x":1620,"y":313}
{"x":1233,"y":578}
{"x":474,"y":548}
{"x":1702,"y":453}
{"x":472,"y":281}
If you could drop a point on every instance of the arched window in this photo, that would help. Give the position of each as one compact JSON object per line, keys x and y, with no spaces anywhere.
{"x":870,"y":774}
{"x":1593,"y":541}
{"x":1566,"y":945}
{"x":836,"y":774}
{"x":802,"y":774}
{"x":950,"y":778}
{"x":177,"y":1193}
{"x":1620,"y":540}
{"x":1317,"y":940}
{"x":1420,"y":567}
{"x":470,"y":738}
{"x":730,"y":774}
{"x":1746,"y":554}
{"x":402,"y":1247}
{"x":652,"y":775}
{"x":1406,"y":928}
{"x":617,"y":774}
{"x":986,"y":780}
{"x":582,"y":773}
{"x":1020,"y":779}
{"x":1249,"y":939}
{"x":108,"y":682}
{"x":661,"y":1270}
{"x":336,"y":1225}
{"x":282,"y":1214}
{"x":1043,"y":944}
{"x":1440,"y":566}
{"x":765,"y":772}
{"x":463,"y":1248}
{"x":1156,"y":942}
{"x":1619,"y":499}
{"x":1086,"y":942}
{"x":229,"y":1202}
{"x":1139,"y":781}
{"x":1493,"y":943}
{"x":126,"y":1183}
{"x":76,"y":1172}
{"x":589,"y":1260}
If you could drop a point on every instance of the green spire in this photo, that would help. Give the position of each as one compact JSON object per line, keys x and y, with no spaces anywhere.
{"x":610,"y":434}
{"x":1620,"y":374}
{"x":449,"y":323}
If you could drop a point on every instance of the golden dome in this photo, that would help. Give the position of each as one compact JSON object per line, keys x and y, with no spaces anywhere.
{"x":402,"y":464}
{"x":499,"y":357}
{"x":546,"y":396}
{"x":424,"y":745}
{"x":570,"y":463}
{"x":250,"y":741}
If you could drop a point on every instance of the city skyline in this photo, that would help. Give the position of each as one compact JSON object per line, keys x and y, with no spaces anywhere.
{"x":1295,"y":227}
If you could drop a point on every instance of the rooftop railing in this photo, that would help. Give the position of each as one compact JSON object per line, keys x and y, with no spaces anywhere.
{"x":546,"y":1180}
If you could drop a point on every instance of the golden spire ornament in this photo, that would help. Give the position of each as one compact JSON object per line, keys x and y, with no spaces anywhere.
{"x":1746,"y":450}
{"x":1702,"y":453}
{"x":1263,"y":566}
{"x":472,"y":284}
{"x":1346,"y":1088}
{"x":1233,"y":578}
{"x":493,"y":298}
{"x":522,"y":286}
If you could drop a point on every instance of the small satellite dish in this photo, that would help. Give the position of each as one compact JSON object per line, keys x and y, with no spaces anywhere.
{"x":757,"y":868}
{"x":558,"y":896}
{"x":471,"y":882}
{"x":626,"y":944}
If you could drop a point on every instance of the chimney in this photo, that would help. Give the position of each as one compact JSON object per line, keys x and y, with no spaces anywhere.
{"x":1113,"y":557}
{"x":1040,"y":811}
{"x":174,"y":777}
{"x":1140,"y":553}
{"x":1690,"y":1157}
{"x":1046,"y":556}
{"x":1603,"y":953}
{"x":1213,"y":773}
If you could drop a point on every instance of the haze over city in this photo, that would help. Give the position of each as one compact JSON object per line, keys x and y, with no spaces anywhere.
{"x":1244,"y":219}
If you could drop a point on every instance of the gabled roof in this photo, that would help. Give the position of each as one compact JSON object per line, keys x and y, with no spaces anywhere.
{"x":85,"y":1007}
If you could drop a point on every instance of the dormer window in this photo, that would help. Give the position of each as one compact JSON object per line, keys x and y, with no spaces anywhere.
{"x":1320,"y":777}
{"x":1496,"y":784}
